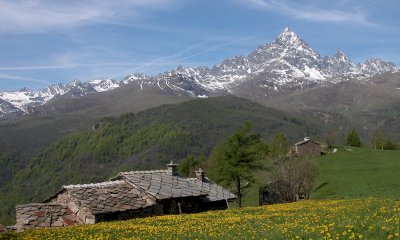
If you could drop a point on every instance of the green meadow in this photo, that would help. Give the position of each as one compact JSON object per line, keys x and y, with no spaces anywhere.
{"x":312,"y":219}
{"x":358,"y":173}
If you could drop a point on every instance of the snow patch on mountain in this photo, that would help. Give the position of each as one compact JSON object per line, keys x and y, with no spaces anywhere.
{"x":313,"y":73}
{"x":104,"y":85}
{"x":286,"y":63}
{"x":377,"y":66}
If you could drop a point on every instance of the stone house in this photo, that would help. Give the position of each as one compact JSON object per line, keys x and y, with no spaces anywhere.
{"x":307,"y":147}
{"x":127,"y":195}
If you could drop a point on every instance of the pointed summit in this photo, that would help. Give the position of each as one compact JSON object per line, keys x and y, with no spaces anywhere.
{"x":339,"y":53}
{"x":340,"y":56}
{"x":374,"y":66}
{"x":25,"y":89}
{"x":290,"y":44}
{"x":286,"y":30}
{"x":288,"y":36}
{"x":340,"y":63}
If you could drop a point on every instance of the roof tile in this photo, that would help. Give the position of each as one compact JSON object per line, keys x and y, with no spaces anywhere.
{"x":106,"y":197}
{"x":162,"y":185}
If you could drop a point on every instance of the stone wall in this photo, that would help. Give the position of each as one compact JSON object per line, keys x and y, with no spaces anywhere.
{"x":62,"y":198}
{"x":44,"y":215}
{"x":3,"y":229}
{"x":309,"y":149}
{"x":83,"y":213}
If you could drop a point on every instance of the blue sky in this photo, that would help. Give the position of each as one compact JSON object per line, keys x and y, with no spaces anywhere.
{"x":43,"y":42}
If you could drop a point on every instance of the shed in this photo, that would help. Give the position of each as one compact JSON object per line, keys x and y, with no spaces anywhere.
{"x":307,"y":147}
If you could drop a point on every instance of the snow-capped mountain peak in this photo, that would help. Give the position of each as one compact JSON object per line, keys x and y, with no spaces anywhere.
{"x":284,"y":65}
{"x":133,"y":78}
{"x":289,"y":38}
{"x":340,"y":64}
{"x":104,"y":84}
{"x":340,"y":56}
{"x":377,"y":66}
{"x":25,"y":89}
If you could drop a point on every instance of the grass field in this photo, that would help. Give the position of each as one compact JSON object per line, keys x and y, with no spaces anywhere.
{"x":358,"y":173}
{"x":351,"y":173}
{"x":312,"y":219}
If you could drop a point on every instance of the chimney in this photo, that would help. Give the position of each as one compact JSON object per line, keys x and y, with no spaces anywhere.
{"x":200,"y":175}
{"x":172,"y":168}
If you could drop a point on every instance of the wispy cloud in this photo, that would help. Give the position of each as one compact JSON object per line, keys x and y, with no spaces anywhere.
{"x":41,"y":15}
{"x":20,"y":78}
{"x":66,"y":66}
{"x":313,"y":12}
{"x":114,"y":69}
{"x":196,"y":50}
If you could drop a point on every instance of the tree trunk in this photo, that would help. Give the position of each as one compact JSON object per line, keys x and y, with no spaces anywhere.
{"x":239,"y":192}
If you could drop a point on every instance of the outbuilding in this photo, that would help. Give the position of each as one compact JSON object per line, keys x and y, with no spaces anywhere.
{"x":307,"y":147}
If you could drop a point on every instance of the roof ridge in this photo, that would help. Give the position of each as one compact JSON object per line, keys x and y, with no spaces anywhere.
{"x":145,"y":171}
{"x":306,"y":141}
{"x":101,"y":184}
{"x":194,"y":178}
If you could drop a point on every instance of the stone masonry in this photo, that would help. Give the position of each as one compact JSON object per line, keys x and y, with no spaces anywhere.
{"x":44,"y":215}
{"x":3,"y":229}
{"x":128,"y":195}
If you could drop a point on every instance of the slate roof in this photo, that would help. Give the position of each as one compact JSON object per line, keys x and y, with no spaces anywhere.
{"x":163,"y":185}
{"x":110,"y":196}
{"x":141,"y":189}
{"x":305,"y":141}
{"x":213,"y":190}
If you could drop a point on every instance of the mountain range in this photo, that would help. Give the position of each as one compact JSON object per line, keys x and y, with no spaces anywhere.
{"x":286,"y":65}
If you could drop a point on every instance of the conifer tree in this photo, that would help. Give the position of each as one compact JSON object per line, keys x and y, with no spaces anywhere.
{"x":237,"y":158}
{"x":353,"y":139}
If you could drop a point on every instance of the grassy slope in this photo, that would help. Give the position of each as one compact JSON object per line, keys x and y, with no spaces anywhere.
{"x":349,"y":174}
{"x":324,"y":219}
{"x":358,"y":173}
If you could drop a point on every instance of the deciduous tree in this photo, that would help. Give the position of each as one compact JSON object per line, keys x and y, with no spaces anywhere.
{"x":379,"y":140}
{"x":291,"y":178}
{"x":279,"y":145}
